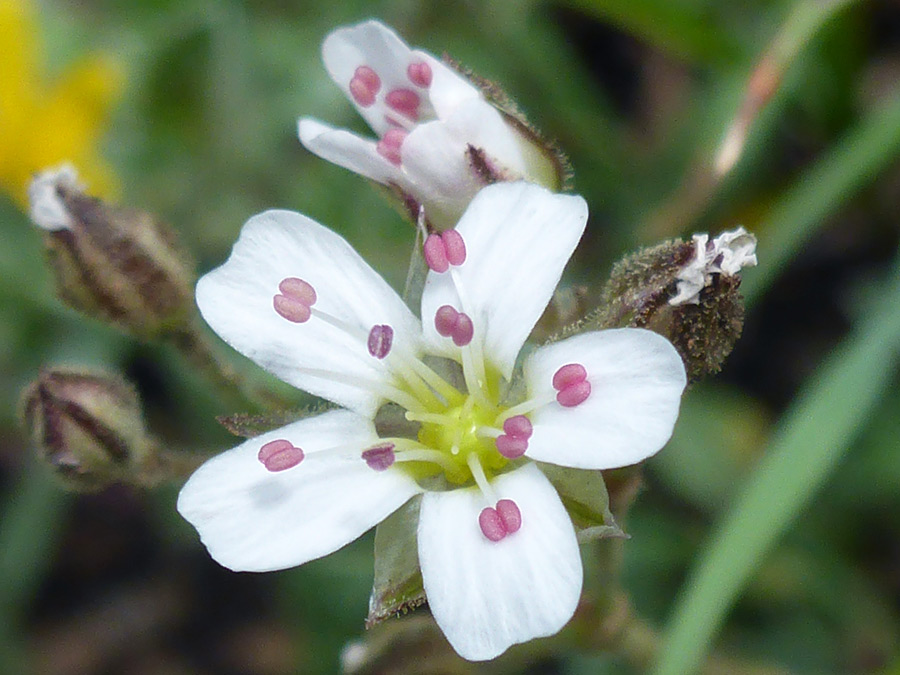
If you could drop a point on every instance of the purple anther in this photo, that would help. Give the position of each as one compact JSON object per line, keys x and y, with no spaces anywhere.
{"x":405,"y":102}
{"x":380,"y":340}
{"x":452,"y":324}
{"x":298,"y":289}
{"x":380,"y":457}
{"x":280,"y":455}
{"x":568,"y":375}
{"x":491,"y":524}
{"x":510,"y":515}
{"x":295,"y":300}
{"x":364,"y":85}
{"x":390,"y":144}
{"x":290,"y":309}
{"x":436,"y":254}
{"x":454,"y":246}
{"x":420,"y":74}
{"x":574,"y":394}
{"x":445,"y":320}
{"x":443,"y":250}
{"x":518,"y":427}
{"x":463,"y":331}
{"x":510,"y":446}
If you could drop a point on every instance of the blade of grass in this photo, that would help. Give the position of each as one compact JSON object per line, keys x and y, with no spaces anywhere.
{"x":807,"y":443}
{"x":862,"y":154}
{"x":32,"y":514}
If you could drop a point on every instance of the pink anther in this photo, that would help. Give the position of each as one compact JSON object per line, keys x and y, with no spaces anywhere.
{"x":574,"y":394}
{"x":518,"y":427}
{"x":501,"y":521}
{"x":295,"y":300}
{"x":420,"y":74}
{"x":445,"y":320}
{"x":443,"y":250}
{"x":390,"y":144}
{"x":454,"y":246}
{"x":280,"y":455}
{"x":510,"y":515}
{"x":464,"y":330}
{"x":380,"y":457}
{"x":380,"y":340}
{"x":457,"y":325}
{"x":364,"y":85}
{"x":405,"y":102}
{"x":491,"y":524}
{"x":510,"y":446}
{"x":570,"y":374}
{"x":436,"y":254}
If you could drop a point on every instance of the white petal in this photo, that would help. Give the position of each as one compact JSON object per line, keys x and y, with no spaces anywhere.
{"x":518,"y":237}
{"x":435,"y":158}
{"x":254,"y":520}
{"x":47,"y":208}
{"x":347,"y":150}
{"x":236,"y":300}
{"x":487,"y":596}
{"x":636,"y":381}
{"x":373,"y":44}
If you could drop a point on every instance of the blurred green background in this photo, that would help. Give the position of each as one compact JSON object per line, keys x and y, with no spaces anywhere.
{"x":767,"y":532}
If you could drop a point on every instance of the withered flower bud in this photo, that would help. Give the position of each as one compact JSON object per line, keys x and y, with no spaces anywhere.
{"x":685,"y":291}
{"x":88,"y":428}
{"x":115,"y":264}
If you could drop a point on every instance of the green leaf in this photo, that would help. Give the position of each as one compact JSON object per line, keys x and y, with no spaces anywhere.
{"x":808,"y":441}
{"x":398,"y":580}
{"x":585,"y":497}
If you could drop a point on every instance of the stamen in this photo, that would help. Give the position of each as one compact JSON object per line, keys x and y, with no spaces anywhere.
{"x":280,"y":455}
{"x":443,"y":250}
{"x":390,"y":144}
{"x":364,"y":85}
{"x":511,"y":447}
{"x":567,"y":375}
{"x":424,"y":454}
{"x":514,"y":442}
{"x":572,"y":386}
{"x":380,"y":457}
{"x":295,"y":301}
{"x":436,"y":254}
{"x":463,"y":331}
{"x":491,"y":524}
{"x":404,"y":101}
{"x":445,"y":320}
{"x":480,"y":479}
{"x":420,"y":74}
{"x":524,"y":408}
{"x":574,"y":395}
{"x":518,"y":426}
{"x":510,"y":515}
{"x":455,"y":247}
{"x":498,"y":523}
{"x":380,"y":340}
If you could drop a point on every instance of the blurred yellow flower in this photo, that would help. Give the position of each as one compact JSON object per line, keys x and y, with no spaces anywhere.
{"x":41,"y":124}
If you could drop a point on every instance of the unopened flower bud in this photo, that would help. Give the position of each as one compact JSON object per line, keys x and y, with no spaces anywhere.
{"x":118,"y":265}
{"x":87,"y":427}
{"x":685,"y":291}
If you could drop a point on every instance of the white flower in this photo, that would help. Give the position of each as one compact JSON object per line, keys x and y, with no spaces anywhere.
{"x":726,"y":254}
{"x":497,"y":550}
{"x":439,"y":140}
